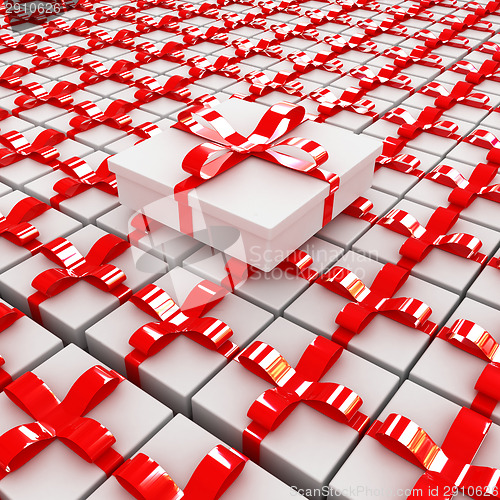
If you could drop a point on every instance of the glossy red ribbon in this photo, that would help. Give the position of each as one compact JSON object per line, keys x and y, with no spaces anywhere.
{"x":145,"y":479}
{"x":16,"y":228}
{"x":64,"y":420}
{"x":94,"y":268}
{"x":227,"y":148}
{"x":36,"y":95}
{"x":151,"y":338}
{"x":447,"y":468}
{"x":421,"y":240}
{"x":293,"y":386}
{"x":473,"y":339}
{"x":82,"y":178}
{"x":487,"y":140}
{"x":366,"y":303}
{"x":360,"y":209}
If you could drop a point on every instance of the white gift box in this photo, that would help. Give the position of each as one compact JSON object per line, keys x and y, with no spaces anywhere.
{"x":350,"y":225}
{"x":434,"y":194}
{"x":24,"y":344}
{"x":372,"y":469}
{"x":179,"y":448}
{"x":308,"y":447}
{"x":397,"y":183}
{"x":386,"y":342}
{"x":85,"y":206}
{"x":69,"y":313}
{"x":182,"y":367}
{"x":18,"y":174}
{"x":450,"y":371}
{"x":57,"y":472}
{"x":159,"y":240}
{"x":290,"y":204}
{"x":273,"y":290}
{"x":49,"y":225}
{"x":440,"y":267}
{"x":485,"y":289}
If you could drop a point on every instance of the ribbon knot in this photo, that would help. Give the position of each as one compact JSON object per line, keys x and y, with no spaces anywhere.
{"x":91,"y":116}
{"x":421,"y":240}
{"x":145,"y":479}
{"x":293,"y":386}
{"x":64,"y":420}
{"x":16,"y":228}
{"x":350,"y":100}
{"x":461,"y":93}
{"x":94,"y":268}
{"x":447,"y":469}
{"x":174,"y":321}
{"x":59,"y":96}
{"x":367,"y":303}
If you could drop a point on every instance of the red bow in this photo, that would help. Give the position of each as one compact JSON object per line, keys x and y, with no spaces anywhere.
{"x":471,"y":21}
{"x":388,"y":25}
{"x":18,"y":148}
{"x":287,"y":6}
{"x":419,"y":55}
{"x":79,"y":27}
{"x":482,"y":138}
{"x":475,"y":340}
{"x":100,"y":38}
{"x":8,"y":317}
{"x":340,"y":45}
{"x":284,"y":81}
{"x":245,"y":48}
{"x":11,"y":76}
{"x":489,"y":70}
{"x":64,"y":419}
{"x":59,"y":96}
{"x":48,"y":56}
{"x":367,"y":303}
{"x":97,"y":72}
{"x":448,"y":469}
{"x":228,"y":148}
{"x":174,"y":321}
{"x":194,"y":35}
{"x":167,"y":23}
{"x":421,"y":240}
{"x":232,"y":21}
{"x":323,"y":60}
{"x":404,"y":163}
{"x":15,"y":226}
{"x":334,"y":15}
{"x":360,"y":209}
{"x":174,"y":88}
{"x":147,"y":52}
{"x":464,"y":191}
{"x":351,"y":99}
{"x":447,"y":37}
{"x":27,"y":43}
{"x":387,"y":75}
{"x":144,"y":479}
{"x":82,"y":178}
{"x":124,"y":13}
{"x":293,"y":386}
{"x":91,"y":116}
{"x":201,"y":67}
{"x":283,"y":32}
{"x":94,"y":268}
{"x":461,"y":93}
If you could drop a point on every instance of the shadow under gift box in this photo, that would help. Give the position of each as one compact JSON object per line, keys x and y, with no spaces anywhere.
{"x":256,"y":211}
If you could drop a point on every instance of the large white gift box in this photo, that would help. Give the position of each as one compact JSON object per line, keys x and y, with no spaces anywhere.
{"x":24,"y":344}
{"x":336,"y":311}
{"x":460,"y":364}
{"x":26,"y":224}
{"x":303,"y":447}
{"x":256,"y":211}
{"x":181,"y":367}
{"x":390,"y":242}
{"x":77,"y":419}
{"x":182,"y":454}
{"x":429,"y":432}
{"x":67,"y":312}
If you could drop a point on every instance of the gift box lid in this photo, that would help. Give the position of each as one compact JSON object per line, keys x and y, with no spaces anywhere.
{"x":259,"y":196}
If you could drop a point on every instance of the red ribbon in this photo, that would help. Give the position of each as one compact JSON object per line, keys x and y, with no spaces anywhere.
{"x":201,"y":67}
{"x":15,"y":226}
{"x":145,"y":479}
{"x":194,"y":35}
{"x":421,"y":240}
{"x":484,"y":139}
{"x":83,"y":178}
{"x":174,"y":321}
{"x":79,"y":27}
{"x":246,"y":48}
{"x":293,"y":386}
{"x":91,"y":116}
{"x":368,"y":303}
{"x":340,"y":45}
{"x":447,"y":468}
{"x":227,"y":148}
{"x":351,"y":99}
{"x":11,"y":76}
{"x":323,"y":60}
{"x":283,"y":32}
{"x":36,"y":95}
{"x":461,"y":93}
{"x":16,"y":147}
{"x":475,"y":340}
{"x":418,"y":55}
{"x":387,"y":75}
{"x":48,"y":56}
{"x":489,"y":70}
{"x":94,"y":268}
{"x":360,"y":209}
{"x":64,"y":420}
{"x":404,"y":163}
{"x":8,"y":316}
{"x":147,"y":52}
{"x":464,"y":191}
{"x":174,"y":88}
{"x":283,"y":81}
